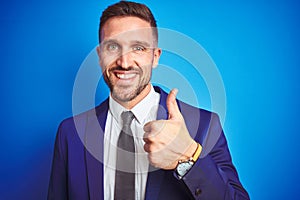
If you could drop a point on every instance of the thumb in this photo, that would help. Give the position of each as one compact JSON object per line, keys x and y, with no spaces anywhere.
{"x":174,"y":112}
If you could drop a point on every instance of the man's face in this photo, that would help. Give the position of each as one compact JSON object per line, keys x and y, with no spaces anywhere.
{"x":127,"y":55}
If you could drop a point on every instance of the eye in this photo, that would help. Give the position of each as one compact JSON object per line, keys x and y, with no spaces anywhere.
{"x":139,"y":48}
{"x":113,"y":47}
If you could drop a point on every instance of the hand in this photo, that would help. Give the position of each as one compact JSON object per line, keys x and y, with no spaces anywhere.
{"x":168,"y":141}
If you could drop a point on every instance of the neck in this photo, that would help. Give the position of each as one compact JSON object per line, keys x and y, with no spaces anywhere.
{"x":130,"y":104}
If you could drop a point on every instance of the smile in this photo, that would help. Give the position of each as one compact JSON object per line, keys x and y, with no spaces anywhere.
{"x":125,"y":76}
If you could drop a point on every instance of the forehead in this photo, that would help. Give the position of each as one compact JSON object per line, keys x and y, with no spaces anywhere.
{"x":127,"y":29}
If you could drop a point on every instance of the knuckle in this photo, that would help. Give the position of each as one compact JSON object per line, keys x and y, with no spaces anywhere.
{"x":146,"y":147}
{"x":149,"y":147}
{"x":148,"y":126}
{"x":149,"y":137}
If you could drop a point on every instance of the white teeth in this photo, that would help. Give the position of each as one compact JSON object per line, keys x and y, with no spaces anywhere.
{"x":120,"y":76}
{"x":125,"y":76}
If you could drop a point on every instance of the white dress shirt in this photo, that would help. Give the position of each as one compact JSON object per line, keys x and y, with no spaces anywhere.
{"x":144,"y":111}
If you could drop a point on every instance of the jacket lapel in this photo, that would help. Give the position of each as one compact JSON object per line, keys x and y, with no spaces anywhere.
{"x":156,"y":176}
{"x":154,"y":181}
{"x":94,"y":133}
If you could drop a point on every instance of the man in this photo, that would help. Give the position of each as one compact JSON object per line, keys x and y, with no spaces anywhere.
{"x":160,"y":149}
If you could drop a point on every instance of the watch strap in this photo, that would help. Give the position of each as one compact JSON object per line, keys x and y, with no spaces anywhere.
{"x":197,"y":153}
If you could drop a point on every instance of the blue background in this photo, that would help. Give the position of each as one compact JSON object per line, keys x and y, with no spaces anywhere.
{"x":255,"y":45}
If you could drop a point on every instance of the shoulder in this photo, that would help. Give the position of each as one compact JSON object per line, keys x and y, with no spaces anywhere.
{"x":76,"y":124}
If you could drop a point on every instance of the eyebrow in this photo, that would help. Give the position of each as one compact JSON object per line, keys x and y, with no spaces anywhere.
{"x":146,"y":44}
{"x":134,"y":42}
{"x":108,"y":41}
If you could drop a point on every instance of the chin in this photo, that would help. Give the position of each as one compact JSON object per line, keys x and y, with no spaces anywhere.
{"x":123,"y":95}
{"x":126,"y":93}
{"x":124,"y":98}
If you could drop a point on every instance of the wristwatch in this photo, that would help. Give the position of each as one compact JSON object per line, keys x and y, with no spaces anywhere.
{"x":184,"y":166}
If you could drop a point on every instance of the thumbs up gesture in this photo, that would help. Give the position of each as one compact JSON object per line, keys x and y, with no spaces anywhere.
{"x":168,"y":141}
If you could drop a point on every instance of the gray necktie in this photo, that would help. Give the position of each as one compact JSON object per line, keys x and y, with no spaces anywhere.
{"x":125,"y":164}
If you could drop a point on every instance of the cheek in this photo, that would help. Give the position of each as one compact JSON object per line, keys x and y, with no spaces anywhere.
{"x":106,"y":60}
{"x":147,"y":65}
{"x":105,"y":71}
{"x":145,"y":60}
{"x":101,"y":62}
{"x":147,"y":71}
{"x":105,"y":66}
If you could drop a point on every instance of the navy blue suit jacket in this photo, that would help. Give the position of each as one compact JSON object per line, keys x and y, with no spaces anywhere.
{"x":77,"y":168}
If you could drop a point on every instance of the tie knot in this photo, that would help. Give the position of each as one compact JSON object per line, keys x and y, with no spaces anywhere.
{"x":127,"y":118}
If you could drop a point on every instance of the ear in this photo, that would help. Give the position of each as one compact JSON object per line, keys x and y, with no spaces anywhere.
{"x":157,"y":53}
{"x":98,"y":50}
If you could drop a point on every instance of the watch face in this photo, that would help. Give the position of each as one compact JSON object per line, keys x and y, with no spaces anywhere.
{"x":183,"y":168}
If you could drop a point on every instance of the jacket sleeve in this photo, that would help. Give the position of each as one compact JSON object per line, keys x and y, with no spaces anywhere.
{"x":213,"y":176}
{"x":58,"y":180}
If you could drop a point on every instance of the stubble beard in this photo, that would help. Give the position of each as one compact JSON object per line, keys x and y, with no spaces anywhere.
{"x":126,"y":93}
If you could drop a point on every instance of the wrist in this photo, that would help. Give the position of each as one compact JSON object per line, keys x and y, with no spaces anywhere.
{"x":183,"y":166}
{"x":197,"y":153}
{"x":191,"y":150}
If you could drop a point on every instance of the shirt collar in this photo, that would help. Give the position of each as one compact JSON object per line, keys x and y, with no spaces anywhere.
{"x":140,"y":111}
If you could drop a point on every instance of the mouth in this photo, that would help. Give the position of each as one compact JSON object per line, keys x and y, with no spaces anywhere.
{"x":125,"y":76}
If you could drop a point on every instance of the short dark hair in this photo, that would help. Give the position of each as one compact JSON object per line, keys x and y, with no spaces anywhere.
{"x":128,"y":8}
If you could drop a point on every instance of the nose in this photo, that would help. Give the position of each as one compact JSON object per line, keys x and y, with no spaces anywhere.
{"x":125,"y":60}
